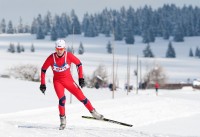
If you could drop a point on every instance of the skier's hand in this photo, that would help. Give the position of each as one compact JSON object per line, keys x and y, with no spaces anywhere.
{"x":43,"y":88}
{"x":81,"y":82}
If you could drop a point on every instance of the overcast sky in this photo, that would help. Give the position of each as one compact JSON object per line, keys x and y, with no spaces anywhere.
{"x":28,"y":9}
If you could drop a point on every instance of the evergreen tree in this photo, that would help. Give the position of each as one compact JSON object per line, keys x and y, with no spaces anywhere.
{"x":34,"y":26}
{"x":166,"y":34}
{"x":170,"y":51}
{"x":85,"y":23}
{"x":81,"y":49}
{"x":32,"y":48}
{"x":47,"y":23}
{"x":40,"y":28}
{"x":22,"y":48}
{"x":10,"y":29}
{"x":147,"y":51}
{"x":107,"y":29}
{"x":66,"y":24}
{"x":60,"y":31}
{"x":196,"y":24}
{"x":151,"y":34}
{"x":109,"y":47}
{"x":145,"y":36}
{"x":188,"y":19}
{"x":3,"y":26}
{"x":27,"y":29}
{"x":178,"y":33}
{"x":191,"y":53}
{"x":20,"y":26}
{"x":75,"y":23}
{"x":18,"y":48}
{"x":54,"y":35}
{"x":90,"y":28}
{"x":165,"y":21}
{"x":148,"y":36}
{"x":118,"y":33}
{"x":197,"y":52}
{"x":106,"y":23}
{"x":98,"y":23}
{"x":11,"y":48}
{"x":147,"y":25}
{"x":129,"y":37}
{"x":128,"y":29}
{"x":40,"y":33}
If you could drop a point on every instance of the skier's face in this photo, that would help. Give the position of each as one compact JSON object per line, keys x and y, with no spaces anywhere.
{"x":60,"y":51}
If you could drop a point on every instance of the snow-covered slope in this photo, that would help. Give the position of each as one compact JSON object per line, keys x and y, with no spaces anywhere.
{"x":179,"y":69}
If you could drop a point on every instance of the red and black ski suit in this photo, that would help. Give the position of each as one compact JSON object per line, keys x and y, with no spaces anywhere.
{"x":63,"y":79}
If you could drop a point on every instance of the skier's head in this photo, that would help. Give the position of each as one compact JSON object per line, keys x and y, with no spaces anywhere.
{"x":60,"y":46}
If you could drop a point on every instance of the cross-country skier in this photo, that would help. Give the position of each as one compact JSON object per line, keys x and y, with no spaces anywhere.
{"x":156,"y":87}
{"x":60,"y":62}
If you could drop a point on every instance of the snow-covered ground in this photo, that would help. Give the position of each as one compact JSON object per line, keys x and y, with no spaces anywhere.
{"x":25,"y":111}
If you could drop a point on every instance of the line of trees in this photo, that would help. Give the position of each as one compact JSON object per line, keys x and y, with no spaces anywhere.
{"x":170,"y":53}
{"x":19,"y":48}
{"x":196,"y":53}
{"x":166,"y":21}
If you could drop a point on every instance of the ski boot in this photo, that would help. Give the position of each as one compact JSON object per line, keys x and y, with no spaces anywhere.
{"x":96,"y":115}
{"x":62,"y":122}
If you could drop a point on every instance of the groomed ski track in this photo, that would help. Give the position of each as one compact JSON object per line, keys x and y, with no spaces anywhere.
{"x":45,"y":130}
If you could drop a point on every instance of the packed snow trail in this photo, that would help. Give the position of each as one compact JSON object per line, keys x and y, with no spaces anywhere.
{"x":46,"y":130}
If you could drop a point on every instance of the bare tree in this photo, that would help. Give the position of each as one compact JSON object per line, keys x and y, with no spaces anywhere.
{"x":25,"y":72}
{"x":155,"y":74}
{"x":99,"y":77}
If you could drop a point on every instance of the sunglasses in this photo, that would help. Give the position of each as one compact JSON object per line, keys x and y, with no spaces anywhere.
{"x":60,"y":49}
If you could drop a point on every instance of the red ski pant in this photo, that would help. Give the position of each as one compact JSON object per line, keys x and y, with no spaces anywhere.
{"x":60,"y":85}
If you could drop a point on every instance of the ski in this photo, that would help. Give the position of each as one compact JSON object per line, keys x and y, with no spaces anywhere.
{"x":108,"y":120}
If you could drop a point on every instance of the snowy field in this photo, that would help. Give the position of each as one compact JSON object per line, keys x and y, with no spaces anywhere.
{"x":178,"y":70}
{"x":25,"y":111}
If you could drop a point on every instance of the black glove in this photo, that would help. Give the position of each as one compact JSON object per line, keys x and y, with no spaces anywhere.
{"x":81,"y":82}
{"x":43,"y":88}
